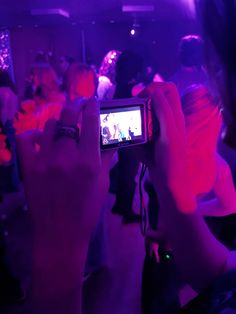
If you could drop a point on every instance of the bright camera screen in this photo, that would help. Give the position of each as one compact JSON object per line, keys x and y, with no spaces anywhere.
{"x":121,"y":125}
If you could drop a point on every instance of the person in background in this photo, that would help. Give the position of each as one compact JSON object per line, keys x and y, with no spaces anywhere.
{"x":41,"y":59}
{"x":46,"y":103}
{"x":129,"y":69}
{"x":81,"y":81}
{"x":208,"y":171}
{"x":192,"y":64}
{"x":106,"y":75}
{"x":11,"y":189}
{"x":149,"y":74}
{"x":207,"y":265}
{"x":64,"y":64}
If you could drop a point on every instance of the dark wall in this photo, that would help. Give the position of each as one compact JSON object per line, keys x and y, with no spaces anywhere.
{"x":157,"y":41}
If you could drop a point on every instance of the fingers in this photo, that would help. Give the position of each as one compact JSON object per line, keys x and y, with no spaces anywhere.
{"x":26,"y":147}
{"x":152,"y":249}
{"x":164,"y":114}
{"x":155,"y":252}
{"x":69,"y":117}
{"x":149,"y":90}
{"x":47,"y":137}
{"x":90,"y":130}
{"x":172,"y":95}
{"x":167,"y":107}
{"x":107,"y":158}
{"x":71,"y":112}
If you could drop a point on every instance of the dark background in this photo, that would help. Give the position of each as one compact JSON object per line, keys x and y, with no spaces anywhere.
{"x":95,"y":27}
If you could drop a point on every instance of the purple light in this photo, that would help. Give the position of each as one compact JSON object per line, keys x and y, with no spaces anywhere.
{"x":5,"y":52}
{"x":132,"y":32}
{"x":189,"y":6}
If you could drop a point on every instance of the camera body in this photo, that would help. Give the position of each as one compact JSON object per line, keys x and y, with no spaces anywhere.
{"x":125,"y":122}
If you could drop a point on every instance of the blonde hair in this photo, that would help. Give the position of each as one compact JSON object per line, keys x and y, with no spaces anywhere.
{"x":46,"y":81}
{"x":81,"y":81}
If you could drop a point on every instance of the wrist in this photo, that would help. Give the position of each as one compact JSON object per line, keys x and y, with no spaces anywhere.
{"x":56,"y":271}
{"x":178,"y":195}
{"x":65,"y":301}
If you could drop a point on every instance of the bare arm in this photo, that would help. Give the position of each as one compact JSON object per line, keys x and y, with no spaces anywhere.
{"x":65,"y":182}
{"x":200,"y":257}
{"x":224,"y":202}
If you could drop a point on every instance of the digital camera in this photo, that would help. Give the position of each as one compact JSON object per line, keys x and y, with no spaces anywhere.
{"x":125,"y":122}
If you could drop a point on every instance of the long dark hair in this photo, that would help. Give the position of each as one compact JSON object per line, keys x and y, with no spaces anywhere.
{"x":129,"y":67}
{"x":191,"y":51}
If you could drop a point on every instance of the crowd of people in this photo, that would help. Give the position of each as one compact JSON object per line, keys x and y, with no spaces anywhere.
{"x":51,"y":162}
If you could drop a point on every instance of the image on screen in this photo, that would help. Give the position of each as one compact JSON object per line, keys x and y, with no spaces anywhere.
{"x":121,"y":126}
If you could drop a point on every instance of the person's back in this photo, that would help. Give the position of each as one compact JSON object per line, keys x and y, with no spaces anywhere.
{"x":128,"y":69}
{"x":186,"y":77}
{"x":191,"y":71}
{"x":106,"y":75}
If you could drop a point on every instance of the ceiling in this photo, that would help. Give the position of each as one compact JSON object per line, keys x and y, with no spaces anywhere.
{"x":18,"y":12}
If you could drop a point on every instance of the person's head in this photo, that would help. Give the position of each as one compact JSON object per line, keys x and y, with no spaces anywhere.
{"x":219,"y":28}
{"x":148,"y":74}
{"x":129,"y":68}
{"x":64,"y":63}
{"x":105,"y":120}
{"x":45,"y":81}
{"x":108,"y":65}
{"x":191,"y":52}
{"x":8,"y":99}
{"x":81,"y":81}
{"x":41,"y":58}
{"x":6,"y":81}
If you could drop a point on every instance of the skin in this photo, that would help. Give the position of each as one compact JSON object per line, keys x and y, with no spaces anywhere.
{"x":199,"y":256}
{"x":66,"y":183}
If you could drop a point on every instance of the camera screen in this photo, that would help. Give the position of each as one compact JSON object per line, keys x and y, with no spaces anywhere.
{"x":121,"y":125}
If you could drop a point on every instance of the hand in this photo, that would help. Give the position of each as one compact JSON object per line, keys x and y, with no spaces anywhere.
{"x":152,"y":249}
{"x":185,"y":228}
{"x":65,"y":184}
{"x":167,"y":159}
{"x":153,"y":240}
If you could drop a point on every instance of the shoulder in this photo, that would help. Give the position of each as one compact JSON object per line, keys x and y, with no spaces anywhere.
{"x":6,"y":92}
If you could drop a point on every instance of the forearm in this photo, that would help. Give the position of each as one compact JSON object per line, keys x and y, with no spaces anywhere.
{"x":215,"y":208}
{"x":57,"y":277}
{"x":67,"y":303}
{"x":59,"y":257}
{"x":200,"y":257}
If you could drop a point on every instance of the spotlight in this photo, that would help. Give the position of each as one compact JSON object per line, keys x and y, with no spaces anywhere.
{"x":132,"y":32}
